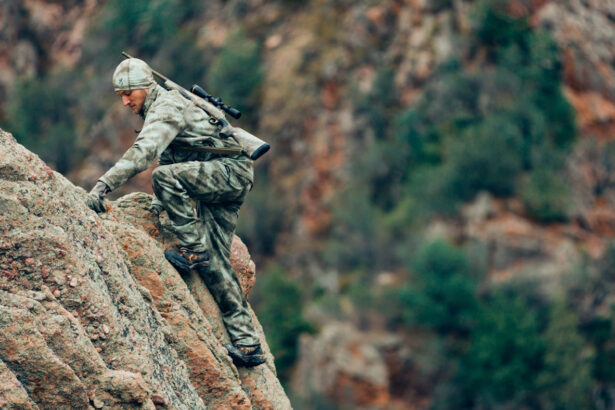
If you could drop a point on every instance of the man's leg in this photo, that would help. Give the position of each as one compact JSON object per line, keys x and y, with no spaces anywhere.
{"x":220,"y":195}
{"x":176,"y":185}
{"x":178,"y":204}
{"x":219,"y":227}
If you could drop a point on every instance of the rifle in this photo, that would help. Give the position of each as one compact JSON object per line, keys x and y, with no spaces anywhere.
{"x":215,"y":108}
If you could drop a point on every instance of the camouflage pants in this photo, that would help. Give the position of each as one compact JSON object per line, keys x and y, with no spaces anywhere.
{"x":218,"y":188}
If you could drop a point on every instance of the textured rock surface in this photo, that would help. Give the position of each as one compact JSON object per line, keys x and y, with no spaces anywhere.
{"x":92,"y":315}
{"x":55,"y":33}
{"x":515,"y":246}
{"x":342,"y":364}
{"x":584,"y":30}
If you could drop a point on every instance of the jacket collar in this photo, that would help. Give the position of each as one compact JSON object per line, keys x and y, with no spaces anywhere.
{"x":152,"y":94}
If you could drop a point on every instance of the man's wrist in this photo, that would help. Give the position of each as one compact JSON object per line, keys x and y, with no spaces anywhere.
{"x":101,"y":189}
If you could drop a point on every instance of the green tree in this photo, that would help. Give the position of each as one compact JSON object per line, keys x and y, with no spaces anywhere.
{"x":588,"y":290}
{"x":479,"y":130}
{"x":441,"y":293}
{"x":236,"y":74}
{"x":375,"y":104}
{"x":143,"y":26}
{"x":262,"y":217}
{"x":496,"y":29}
{"x":546,"y":195}
{"x":565,"y":381}
{"x":505,"y":353}
{"x":180,"y":59}
{"x":487,"y":156}
{"x":358,"y":238}
{"x":40,"y":115}
{"x":279,"y":311}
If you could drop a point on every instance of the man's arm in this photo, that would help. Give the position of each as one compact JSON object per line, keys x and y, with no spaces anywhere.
{"x":156,"y":206}
{"x":162,"y":124}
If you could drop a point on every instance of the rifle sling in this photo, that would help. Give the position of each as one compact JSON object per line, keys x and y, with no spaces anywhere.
{"x":213,"y":150}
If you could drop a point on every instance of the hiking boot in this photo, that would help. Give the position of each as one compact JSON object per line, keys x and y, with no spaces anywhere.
{"x":246,"y":356}
{"x":184,"y":261}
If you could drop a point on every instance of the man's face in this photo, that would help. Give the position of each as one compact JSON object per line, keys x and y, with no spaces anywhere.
{"x":133,"y":99}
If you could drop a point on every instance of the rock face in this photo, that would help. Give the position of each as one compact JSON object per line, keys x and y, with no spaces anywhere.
{"x":344,"y":366}
{"x":55,"y":32}
{"x":92,"y":315}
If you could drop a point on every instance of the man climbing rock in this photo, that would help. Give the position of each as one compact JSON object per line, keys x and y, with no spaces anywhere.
{"x":217,"y":179}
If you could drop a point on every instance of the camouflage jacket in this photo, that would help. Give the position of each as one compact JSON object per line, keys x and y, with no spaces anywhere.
{"x":171,"y":123}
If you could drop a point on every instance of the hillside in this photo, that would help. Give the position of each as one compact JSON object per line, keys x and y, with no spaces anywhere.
{"x":466,"y":141}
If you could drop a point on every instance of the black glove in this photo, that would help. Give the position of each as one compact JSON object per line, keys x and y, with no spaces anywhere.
{"x":155,"y":208}
{"x":95,"y":199}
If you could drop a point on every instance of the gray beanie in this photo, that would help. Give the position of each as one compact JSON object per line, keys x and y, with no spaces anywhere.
{"x":132,"y":74}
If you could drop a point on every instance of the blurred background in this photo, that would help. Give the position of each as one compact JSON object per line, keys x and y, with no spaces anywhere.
{"x":433,"y":225}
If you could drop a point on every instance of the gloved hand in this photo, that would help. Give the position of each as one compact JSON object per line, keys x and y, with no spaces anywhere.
{"x":155,"y":208}
{"x":95,"y":199}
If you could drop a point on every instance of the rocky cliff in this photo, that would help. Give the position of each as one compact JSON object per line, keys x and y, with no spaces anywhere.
{"x":316,"y":56}
{"x":92,"y":315}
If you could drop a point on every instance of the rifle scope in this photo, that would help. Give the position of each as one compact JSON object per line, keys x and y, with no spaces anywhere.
{"x":217,"y":101}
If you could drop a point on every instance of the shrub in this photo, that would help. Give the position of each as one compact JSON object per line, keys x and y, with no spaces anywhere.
{"x":262,"y":218}
{"x":486,"y":157}
{"x":524,"y":352}
{"x":449,"y":104}
{"x":40,"y":115}
{"x":565,"y":379}
{"x":546,"y":196}
{"x":377,"y":103}
{"x":141,"y":26}
{"x":599,"y":332}
{"x":544,"y":73}
{"x":505,"y":353}
{"x":589,"y":290}
{"x":439,"y":5}
{"x":441,"y":295}
{"x":496,"y":29}
{"x":420,"y":143}
{"x":279,"y":310}
{"x":236,"y":74}
{"x":480,"y":131}
{"x":358,"y":238}
{"x":181,"y":60}
{"x":381,"y":169}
